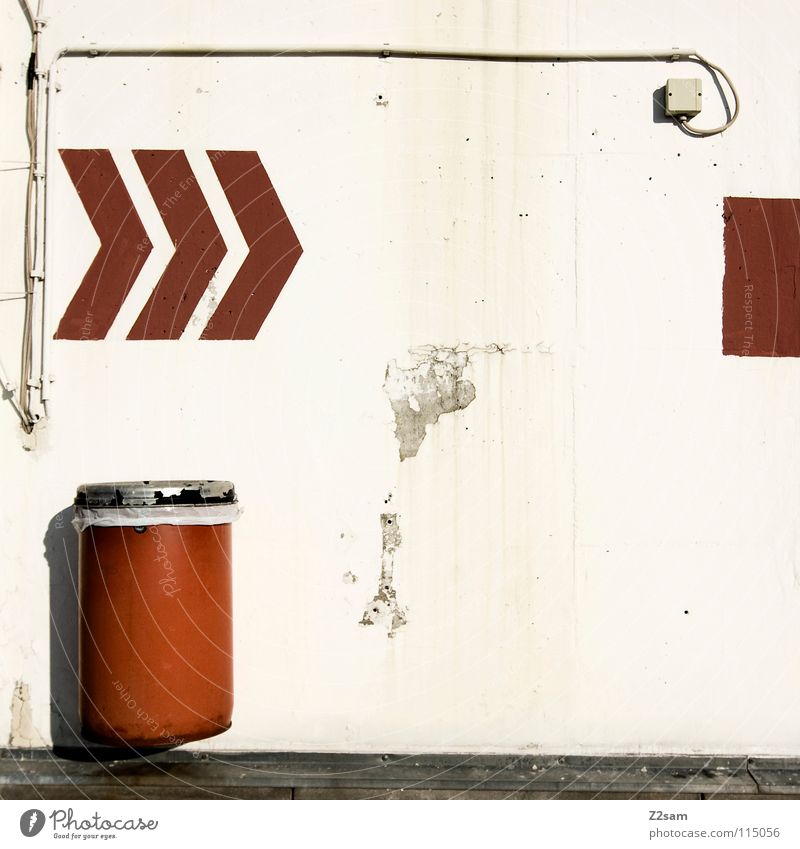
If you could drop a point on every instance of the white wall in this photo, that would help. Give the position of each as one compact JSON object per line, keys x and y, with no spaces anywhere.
{"x":614,"y":470}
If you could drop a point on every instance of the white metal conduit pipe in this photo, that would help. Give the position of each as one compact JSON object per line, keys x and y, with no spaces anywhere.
{"x":382,"y":51}
{"x":387,"y":51}
{"x":400,"y":51}
{"x":9,"y":388}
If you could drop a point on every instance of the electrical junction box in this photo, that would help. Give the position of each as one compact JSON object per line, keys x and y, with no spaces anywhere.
{"x":683,"y":97}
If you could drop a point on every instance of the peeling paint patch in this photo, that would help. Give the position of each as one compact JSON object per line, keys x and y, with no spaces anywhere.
{"x":384,"y":609}
{"x":349,"y":578}
{"x":210,"y":305}
{"x":23,"y":732}
{"x":422,"y":393}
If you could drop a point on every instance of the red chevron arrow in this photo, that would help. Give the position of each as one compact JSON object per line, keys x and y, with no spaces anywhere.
{"x":124,"y":245}
{"x":199,"y":247}
{"x":274,"y":246}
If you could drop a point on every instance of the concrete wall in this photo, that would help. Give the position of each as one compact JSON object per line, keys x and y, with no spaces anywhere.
{"x":598,"y":550}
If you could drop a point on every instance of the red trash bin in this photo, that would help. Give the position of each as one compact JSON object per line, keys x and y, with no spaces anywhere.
{"x":155,"y":640}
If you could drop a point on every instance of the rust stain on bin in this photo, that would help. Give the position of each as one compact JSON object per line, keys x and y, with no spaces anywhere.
{"x":760,"y":300}
{"x":155,"y":639}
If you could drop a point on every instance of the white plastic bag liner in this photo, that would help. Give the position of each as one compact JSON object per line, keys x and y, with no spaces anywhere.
{"x":137,"y":517}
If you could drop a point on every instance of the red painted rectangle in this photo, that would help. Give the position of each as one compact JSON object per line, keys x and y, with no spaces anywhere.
{"x":760,"y":299}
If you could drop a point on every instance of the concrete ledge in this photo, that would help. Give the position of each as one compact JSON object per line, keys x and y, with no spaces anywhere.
{"x":107,"y":774}
{"x":776,"y":776}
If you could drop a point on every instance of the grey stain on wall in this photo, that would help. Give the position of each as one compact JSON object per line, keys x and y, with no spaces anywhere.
{"x":23,"y":732}
{"x":422,"y":393}
{"x":384,"y":609}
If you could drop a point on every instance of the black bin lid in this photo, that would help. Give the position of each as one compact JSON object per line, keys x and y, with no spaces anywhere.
{"x":154,"y":493}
